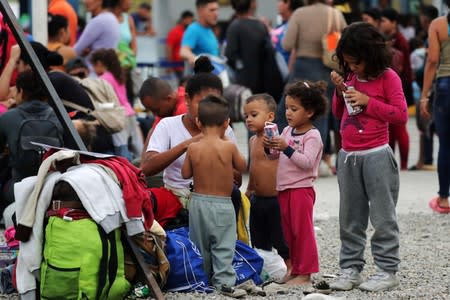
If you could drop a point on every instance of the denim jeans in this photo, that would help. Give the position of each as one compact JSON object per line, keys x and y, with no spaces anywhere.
{"x":441,"y":114}
{"x":312,"y":69}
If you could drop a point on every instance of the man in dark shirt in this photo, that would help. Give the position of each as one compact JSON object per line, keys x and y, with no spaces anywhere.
{"x":246,"y":38}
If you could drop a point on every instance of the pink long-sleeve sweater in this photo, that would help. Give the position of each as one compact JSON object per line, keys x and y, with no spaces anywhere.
{"x":298,"y":165}
{"x":387,"y":104}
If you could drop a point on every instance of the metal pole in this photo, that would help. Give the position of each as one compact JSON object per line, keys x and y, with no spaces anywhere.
{"x":70,"y":134}
{"x":39,"y":21}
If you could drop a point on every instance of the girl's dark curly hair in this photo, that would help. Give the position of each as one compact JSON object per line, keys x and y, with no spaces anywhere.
{"x":364,"y":43}
{"x":311,"y":96}
{"x":108,"y":57}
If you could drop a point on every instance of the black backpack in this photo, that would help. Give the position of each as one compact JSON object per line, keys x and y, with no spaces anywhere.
{"x":35,"y":128}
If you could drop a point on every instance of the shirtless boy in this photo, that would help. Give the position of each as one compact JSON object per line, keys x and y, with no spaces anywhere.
{"x":265,"y":222}
{"x":210,"y":161}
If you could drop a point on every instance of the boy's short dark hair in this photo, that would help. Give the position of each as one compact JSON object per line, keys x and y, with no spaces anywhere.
{"x":186,"y":14}
{"x":429,"y":11}
{"x":145,"y":6}
{"x":28,"y":83}
{"x":266,"y":98}
{"x":154,"y":87}
{"x":294,"y":4}
{"x":241,"y":6}
{"x":213,"y":111}
{"x":374,"y":12}
{"x":311,"y":96}
{"x":364,"y":42}
{"x":391,"y":14}
{"x":55,"y":24}
{"x":201,"y":3}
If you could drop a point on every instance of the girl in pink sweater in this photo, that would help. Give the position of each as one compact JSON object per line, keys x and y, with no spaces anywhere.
{"x":298,"y":165}
{"x":366,"y":167}
{"x":107,"y":66}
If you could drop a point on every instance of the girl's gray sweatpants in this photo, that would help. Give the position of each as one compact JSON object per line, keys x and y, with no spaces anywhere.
{"x":369,"y":186}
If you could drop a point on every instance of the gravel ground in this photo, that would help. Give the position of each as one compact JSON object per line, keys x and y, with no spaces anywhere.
{"x":424,"y":270}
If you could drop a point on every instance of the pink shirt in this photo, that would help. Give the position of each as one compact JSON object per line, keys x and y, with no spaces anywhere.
{"x":121,"y":92}
{"x":3,"y":108}
{"x":298,"y":165}
{"x":387,"y":104}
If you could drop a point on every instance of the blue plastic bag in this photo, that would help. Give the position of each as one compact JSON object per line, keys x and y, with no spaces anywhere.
{"x":186,"y":264}
{"x":247,"y":264}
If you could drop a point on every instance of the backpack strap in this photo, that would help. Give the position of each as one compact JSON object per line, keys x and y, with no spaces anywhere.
{"x":113,"y":264}
{"x":336,"y":20}
{"x":103,"y":263}
{"x":329,"y":20}
{"x":76,"y":106}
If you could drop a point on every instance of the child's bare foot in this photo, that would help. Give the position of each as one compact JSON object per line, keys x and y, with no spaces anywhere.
{"x":300,"y":280}
{"x":443,"y":202}
{"x":286,"y":278}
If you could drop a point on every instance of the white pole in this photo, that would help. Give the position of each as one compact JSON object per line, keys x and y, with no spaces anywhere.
{"x":39,"y":21}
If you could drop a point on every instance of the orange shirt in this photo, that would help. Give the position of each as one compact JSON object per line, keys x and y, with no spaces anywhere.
{"x":63,"y":8}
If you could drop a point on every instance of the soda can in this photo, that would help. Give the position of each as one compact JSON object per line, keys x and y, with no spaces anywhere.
{"x":352,"y":110}
{"x":271,"y":131}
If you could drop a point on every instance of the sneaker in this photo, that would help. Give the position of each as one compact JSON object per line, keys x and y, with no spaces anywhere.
{"x":232,"y":292}
{"x":380,"y":281}
{"x":347,"y":279}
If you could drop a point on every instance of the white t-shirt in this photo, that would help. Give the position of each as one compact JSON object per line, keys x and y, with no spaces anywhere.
{"x":167,"y":134}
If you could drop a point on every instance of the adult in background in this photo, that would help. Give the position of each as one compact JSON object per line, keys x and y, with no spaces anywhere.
{"x":398,"y":133}
{"x":58,"y":37}
{"x":285,"y":9}
{"x":32,"y":103}
{"x":102,"y":31}
{"x":63,"y":8}
{"x":372,"y":16}
{"x":127,"y":47}
{"x":246,"y":39}
{"x":173,"y":41}
{"x":143,"y":20}
{"x":426,"y":126}
{"x":438,"y":65}
{"x":306,"y":28}
{"x":199,"y":37}
{"x":127,"y":26}
{"x":66,"y":88}
{"x":389,"y":27}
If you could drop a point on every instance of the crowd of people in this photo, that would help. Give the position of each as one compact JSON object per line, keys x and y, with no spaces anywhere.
{"x":357,"y":113}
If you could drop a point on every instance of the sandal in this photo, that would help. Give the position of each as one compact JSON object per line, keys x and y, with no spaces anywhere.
{"x":322,"y":287}
{"x":434,"y":205}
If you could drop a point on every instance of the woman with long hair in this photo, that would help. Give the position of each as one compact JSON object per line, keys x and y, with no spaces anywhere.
{"x":438,"y":66}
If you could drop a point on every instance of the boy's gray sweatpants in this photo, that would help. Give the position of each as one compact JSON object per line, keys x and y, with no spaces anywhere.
{"x":212,"y":228}
{"x":369,"y":186}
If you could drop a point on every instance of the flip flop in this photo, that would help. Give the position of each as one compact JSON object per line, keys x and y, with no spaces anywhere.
{"x":434,"y":205}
